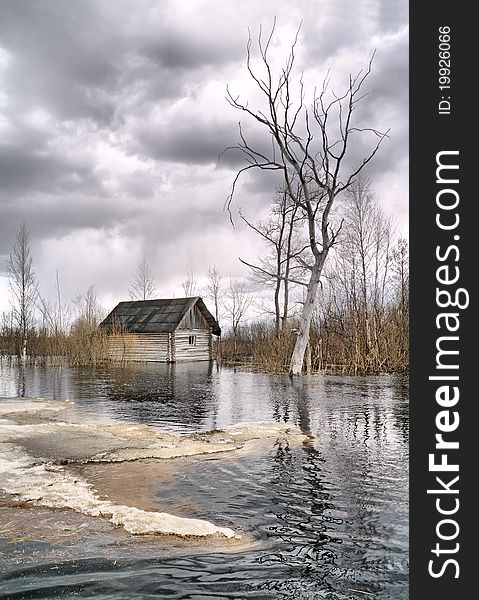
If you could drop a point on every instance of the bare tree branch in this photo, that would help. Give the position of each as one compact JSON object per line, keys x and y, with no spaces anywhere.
{"x":312,"y":154}
{"x":143,"y":286}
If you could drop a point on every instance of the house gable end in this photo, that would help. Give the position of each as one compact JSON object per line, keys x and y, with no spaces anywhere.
{"x":194,"y":319}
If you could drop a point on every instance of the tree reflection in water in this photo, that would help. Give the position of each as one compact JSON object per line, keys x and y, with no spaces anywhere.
{"x":330,"y":514}
{"x":333,"y":522}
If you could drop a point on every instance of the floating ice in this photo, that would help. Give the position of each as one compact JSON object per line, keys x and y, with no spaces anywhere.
{"x":33,"y":456}
{"x":31,"y":405}
{"x":52,"y":486}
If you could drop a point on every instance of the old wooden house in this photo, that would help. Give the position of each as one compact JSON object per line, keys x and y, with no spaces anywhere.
{"x":163,"y":330}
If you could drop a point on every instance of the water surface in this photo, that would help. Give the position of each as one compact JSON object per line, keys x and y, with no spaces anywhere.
{"x":325,"y":519}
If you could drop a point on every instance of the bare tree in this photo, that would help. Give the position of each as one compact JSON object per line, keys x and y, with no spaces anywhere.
{"x":238,"y":303}
{"x":54,"y":314}
{"x":143,"y":286}
{"x":22,"y":285}
{"x":276,"y":267}
{"x":87,"y":342}
{"x":61,"y":311}
{"x":56,"y":320}
{"x":214,"y":288}
{"x":190,"y":285}
{"x":7,"y":333}
{"x":310,"y":145}
{"x":400,"y":267}
{"x":360,"y":274}
{"x":88,"y":309}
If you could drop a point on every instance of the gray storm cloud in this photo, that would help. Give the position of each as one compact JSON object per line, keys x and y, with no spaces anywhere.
{"x":112,"y":117}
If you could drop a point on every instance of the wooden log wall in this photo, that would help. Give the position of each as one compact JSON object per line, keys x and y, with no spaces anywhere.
{"x":184,"y":351}
{"x":139,"y":347}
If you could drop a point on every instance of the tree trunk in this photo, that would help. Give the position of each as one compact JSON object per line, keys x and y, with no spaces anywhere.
{"x":284,"y":318}
{"x":297,"y":358}
{"x":312,"y":163}
{"x":277,"y":315}
{"x":309,"y":366}
{"x":24,"y":349}
{"x":288,"y":267}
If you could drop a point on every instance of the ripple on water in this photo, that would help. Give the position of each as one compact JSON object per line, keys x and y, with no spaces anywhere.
{"x":328,"y":519}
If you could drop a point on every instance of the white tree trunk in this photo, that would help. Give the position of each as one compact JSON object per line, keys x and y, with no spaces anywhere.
{"x":302,"y":338}
{"x":24,"y":350}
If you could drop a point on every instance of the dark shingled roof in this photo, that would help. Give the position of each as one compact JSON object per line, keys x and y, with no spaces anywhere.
{"x":156,"y":316}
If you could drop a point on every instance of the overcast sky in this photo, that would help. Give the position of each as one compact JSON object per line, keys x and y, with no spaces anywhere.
{"x":113,"y":114}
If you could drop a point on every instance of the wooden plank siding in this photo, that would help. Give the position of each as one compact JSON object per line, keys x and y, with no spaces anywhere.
{"x":184,"y":351}
{"x":160,"y":347}
{"x":194,"y":320}
{"x":139,"y":347}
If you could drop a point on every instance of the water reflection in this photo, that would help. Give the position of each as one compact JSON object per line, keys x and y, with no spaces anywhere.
{"x":21,"y":381}
{"x":160,"y":394}
{"x":331,"y":513}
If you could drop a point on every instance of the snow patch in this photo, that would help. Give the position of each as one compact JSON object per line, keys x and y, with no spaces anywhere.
{"x":52,"y":486}
{"x":34,"y":449}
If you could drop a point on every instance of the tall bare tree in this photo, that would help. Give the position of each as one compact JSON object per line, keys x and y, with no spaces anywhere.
{"x":310,"y":144}
{"x":22,"y":285}
{"x":143,"y":286}
{"x":400,"y":267}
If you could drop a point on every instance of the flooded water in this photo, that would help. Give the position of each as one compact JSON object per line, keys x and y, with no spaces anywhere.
{"x":323,"y":519}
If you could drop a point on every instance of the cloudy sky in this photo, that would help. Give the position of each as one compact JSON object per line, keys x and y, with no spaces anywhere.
{"x":113,"y":114}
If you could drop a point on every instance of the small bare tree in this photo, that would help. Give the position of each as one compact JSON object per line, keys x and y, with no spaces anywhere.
{"x":190,"y":285}
{"x":400,"y":266}
{"x":310,"y":146}
{"x":61,"y":311}
{"x":143,"y":286}
{"x":214,"y":288}
{"x":23,"y":286}
{"x":279,"y":232}
{"x":54,"y":329}
{"x":87,"y":341}
{"x":238,"y":303}
{"x":88,"y":309}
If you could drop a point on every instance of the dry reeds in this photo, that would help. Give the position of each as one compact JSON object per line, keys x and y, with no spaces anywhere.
{"x":337,"y":344}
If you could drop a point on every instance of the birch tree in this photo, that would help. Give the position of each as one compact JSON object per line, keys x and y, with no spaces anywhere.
{"x":214,"y":288}
{"x":311,"y":144}
{"x":23,"y":286}
{"x":143,"y":286}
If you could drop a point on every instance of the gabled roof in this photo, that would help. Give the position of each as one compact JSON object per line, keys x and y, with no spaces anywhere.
{"x":156,"y":316}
